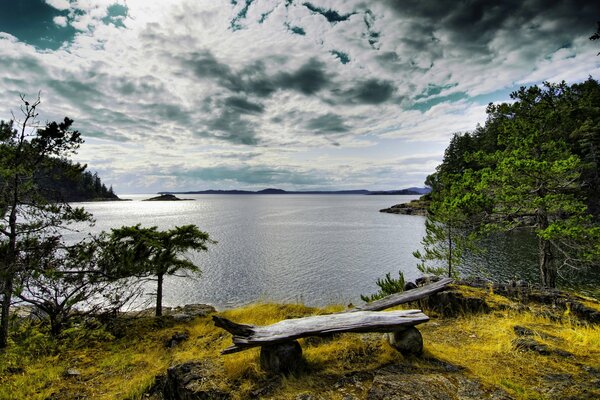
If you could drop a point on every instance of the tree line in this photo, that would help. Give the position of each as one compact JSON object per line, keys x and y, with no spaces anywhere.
{"x":37,"y":266}
{"x":533,"y":165}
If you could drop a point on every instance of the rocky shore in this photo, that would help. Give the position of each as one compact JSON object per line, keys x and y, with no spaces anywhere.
{"x":415,"y":207}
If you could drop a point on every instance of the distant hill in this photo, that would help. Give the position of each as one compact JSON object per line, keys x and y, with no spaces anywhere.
{"x":410,"y":191}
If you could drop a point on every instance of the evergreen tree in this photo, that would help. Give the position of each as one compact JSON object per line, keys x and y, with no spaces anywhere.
{"x":26,"y":214}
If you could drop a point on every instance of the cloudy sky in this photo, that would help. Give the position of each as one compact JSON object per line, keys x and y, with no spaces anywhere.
{"x":248,"y":94}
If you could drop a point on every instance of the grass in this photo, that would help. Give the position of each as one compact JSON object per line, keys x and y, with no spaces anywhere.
{"x":125,"y":367}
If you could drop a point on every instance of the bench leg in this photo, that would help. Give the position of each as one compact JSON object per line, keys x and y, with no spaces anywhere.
{"x":407,"y":341}
{"x":282,"y":357}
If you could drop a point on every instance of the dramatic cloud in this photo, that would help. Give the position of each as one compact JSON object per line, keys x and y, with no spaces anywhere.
{"x":297,"y":94}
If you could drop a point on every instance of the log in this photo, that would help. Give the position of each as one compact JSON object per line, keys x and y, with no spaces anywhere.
{"x":246,"y":336}
{"x":404,"y":297}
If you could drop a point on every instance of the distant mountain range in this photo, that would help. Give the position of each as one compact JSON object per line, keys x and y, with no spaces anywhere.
{"x":409,"y":191}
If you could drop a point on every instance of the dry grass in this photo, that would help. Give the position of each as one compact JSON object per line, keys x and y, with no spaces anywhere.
{"x":125,"y":368}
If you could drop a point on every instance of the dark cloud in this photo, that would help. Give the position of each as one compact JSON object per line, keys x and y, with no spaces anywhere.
{"x":244,"y":106}
{"x":326,"y":124}
{"x":473,"y":24}
{"x":229,"y":126}
{"x":309,"y":79}
{"x":372,"y":91}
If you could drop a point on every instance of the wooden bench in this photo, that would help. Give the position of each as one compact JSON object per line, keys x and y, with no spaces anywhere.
{"x":280,"y":352}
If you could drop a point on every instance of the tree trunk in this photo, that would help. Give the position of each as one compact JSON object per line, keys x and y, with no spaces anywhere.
{"x":159,"y":290}
{"x":449,"y":251}
{"x":4,"y":320}
{"x":545,"y":256}
{"x":546,"y":259}
{"x":9,"y":272}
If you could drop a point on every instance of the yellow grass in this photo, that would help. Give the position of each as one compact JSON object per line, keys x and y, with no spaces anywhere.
{"x":124,"y":368}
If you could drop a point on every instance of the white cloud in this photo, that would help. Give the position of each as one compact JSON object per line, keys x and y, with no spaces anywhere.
{"x":177,"y":86}
{"x":60,"y":21}
{"x":59,"y":4}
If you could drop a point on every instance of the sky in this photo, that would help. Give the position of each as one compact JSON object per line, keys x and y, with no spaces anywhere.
{"x":249,"y":94}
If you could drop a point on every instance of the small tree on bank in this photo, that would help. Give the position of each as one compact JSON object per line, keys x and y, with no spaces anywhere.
{"x":64,"y":282}
{"x":27,"y":212}
{"x":145,"y":252}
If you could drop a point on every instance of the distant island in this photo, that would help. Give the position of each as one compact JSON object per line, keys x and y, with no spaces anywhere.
{"x":414,"y":191}
{"x":165,"y":197}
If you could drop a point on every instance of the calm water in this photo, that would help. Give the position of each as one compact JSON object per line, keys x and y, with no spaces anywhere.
{"x":315,"y":249}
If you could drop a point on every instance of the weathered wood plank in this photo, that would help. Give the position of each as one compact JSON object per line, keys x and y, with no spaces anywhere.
{"x":246,"y":336}
{"x":405,"y":297}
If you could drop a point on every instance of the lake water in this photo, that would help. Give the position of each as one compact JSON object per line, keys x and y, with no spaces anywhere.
{"x":314,"y":249}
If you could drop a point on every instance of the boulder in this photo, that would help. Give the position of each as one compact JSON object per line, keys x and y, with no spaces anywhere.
{"x":407,"y":341}
{"x":177,"y":338}
{"x":285,"y":357}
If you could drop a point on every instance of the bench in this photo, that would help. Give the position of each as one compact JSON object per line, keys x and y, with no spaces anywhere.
{"x":280,"y":351}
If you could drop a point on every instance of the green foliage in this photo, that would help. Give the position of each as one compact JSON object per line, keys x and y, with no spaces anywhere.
{"x":27,"y":214}
{"x":533,"y":166}
{"x":387,"y":286}
{"x":144,"y":252}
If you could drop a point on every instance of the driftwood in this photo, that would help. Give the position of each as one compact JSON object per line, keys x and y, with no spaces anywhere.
{"x":405,"y":297}
{"x":246,"y":336}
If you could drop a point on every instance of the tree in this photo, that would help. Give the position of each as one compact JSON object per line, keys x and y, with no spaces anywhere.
{"x":534,"y":167}
{"x":596,"y":35}
{"x":451,"y":228}
{"x":63,"y":282}
{"x":535,"y":180}
{"x":26,"y":211}
{"x":387,"y":286}
{"x":145,"y":252}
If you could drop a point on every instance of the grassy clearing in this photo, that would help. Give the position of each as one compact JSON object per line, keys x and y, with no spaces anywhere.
{"x":124,"y":368}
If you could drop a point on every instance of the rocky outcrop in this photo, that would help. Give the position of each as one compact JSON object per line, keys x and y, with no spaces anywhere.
{"x":438,"y":381}
{"x":415,"y":207}
{"x":196,"y":380}
{"x":558,"y":301}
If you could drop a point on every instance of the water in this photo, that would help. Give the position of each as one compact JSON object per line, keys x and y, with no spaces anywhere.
{"x":315,"y":249}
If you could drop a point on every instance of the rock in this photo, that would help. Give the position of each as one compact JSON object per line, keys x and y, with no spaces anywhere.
{"x":522,"y":331}
{"x":451,"y":303}
{"x":404,"y":382}
{"x":177,"y":338}
{"x":72,"y":373}
{"x":193,"y":380}
{"x":426,"y":280}
{"x":407,"y":341}
{"x":283,"y":357}
{"x":530,"y":344}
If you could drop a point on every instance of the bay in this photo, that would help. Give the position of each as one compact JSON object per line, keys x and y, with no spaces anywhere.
{"x":314,"y":249}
